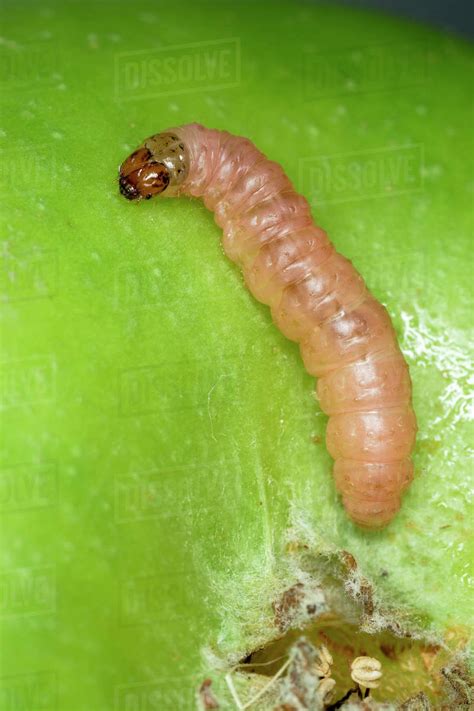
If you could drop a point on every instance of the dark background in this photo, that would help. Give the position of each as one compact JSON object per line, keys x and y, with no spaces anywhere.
{"x":453,"y":15}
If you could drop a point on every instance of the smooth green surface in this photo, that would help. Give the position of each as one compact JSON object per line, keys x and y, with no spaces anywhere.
{"x":158,"y":432}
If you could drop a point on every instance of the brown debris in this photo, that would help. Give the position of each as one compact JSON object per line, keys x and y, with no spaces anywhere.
{"x":348,"y":560}
{"x":346,"y":650}
{"x":298,"y":606}
{"x":428,"y":655}
{"x":418,"y":702}
{"x":459,"y":687}
{"x":366,"y":597}
{"x":300,"y":689}
{"x":365,"y":588}
{"x":206,"y":696}
{"x":286,"y":605}
{"x":365,"y":705}
{"x":398,"y":630}
{"x":389,"y":651}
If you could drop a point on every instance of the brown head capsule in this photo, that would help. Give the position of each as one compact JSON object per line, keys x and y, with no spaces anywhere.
{"x":159,"y":165}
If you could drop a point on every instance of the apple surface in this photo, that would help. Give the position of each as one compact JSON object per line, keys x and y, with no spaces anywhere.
{"x":164,"y":477}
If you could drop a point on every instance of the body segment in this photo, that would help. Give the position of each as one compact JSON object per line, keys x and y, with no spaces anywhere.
{"x":316,"y":296}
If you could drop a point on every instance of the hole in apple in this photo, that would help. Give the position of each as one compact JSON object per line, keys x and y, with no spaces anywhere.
{"x":408,"y":666}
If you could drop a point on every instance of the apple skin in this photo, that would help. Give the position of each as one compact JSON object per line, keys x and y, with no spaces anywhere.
{"x":159,"y":434}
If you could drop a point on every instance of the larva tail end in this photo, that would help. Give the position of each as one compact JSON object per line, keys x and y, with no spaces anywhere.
{"x":372,"y":515}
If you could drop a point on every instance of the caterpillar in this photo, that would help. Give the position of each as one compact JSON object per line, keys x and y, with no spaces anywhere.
{"x":316,"y":297}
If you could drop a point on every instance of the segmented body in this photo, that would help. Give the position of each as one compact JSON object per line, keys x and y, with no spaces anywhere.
{"x":316,"y":296}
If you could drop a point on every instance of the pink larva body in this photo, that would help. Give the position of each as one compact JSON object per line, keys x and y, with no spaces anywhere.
{"x":316,"y":297}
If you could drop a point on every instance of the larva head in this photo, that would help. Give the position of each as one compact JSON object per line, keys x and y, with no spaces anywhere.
{"x":158,"y":167}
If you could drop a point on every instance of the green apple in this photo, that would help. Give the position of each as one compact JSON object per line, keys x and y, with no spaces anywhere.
{"x":164,"y":478}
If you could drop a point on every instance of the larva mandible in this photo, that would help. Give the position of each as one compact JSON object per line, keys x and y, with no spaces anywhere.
{"x":316,"y":296}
